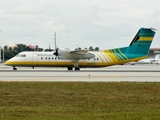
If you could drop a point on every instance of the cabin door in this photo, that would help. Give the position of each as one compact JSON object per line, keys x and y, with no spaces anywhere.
{"x":34,"y":59}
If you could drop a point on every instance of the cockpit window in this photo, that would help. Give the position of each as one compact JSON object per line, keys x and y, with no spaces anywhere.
{"x":21,"y":55}
{"x":18,"y":55}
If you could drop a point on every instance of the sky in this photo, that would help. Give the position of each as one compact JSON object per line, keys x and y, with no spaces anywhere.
{"x":77,"y":23}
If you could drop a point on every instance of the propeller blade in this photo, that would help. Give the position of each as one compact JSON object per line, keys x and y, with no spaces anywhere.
{"x":56,"y":52}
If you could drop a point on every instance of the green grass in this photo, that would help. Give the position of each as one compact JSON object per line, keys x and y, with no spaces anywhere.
{"x":79,"y":101}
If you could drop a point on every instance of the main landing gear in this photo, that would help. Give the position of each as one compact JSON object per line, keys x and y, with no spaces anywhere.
{"x":75,"y":64}
{"x":71,"y":68}
{"x":77,"y":68}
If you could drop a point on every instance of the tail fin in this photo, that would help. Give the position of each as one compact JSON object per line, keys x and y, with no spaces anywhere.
{"x":141,"y":42}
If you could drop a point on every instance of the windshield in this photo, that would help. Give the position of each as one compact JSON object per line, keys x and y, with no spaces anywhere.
{"x":21,"y":55}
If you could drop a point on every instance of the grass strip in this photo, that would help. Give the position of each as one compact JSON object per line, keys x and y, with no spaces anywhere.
{"x":79,"y":100}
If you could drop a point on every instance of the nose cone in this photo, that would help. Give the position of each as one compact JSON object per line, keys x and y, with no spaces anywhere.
{"x":8,"y":62}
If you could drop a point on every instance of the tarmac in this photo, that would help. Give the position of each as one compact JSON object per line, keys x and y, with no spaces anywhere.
{"x":117,"y":73}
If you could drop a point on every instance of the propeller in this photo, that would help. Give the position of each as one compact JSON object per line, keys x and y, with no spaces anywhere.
{"x":56,"y":52}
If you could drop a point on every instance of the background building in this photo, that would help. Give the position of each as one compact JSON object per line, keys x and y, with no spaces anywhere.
{"x":153,"y":52}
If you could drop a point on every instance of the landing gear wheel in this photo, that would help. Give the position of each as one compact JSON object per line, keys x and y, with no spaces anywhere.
{"x":70,"y":68}
{"x":14,"y":68}
{"x":77,"y":68}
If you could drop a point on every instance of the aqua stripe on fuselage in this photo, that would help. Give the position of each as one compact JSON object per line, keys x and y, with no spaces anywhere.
{"x":118,"y":52}
{"x":113,"y":52}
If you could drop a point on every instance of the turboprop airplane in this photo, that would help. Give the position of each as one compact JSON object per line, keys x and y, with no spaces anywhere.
{"x":137,"y":50}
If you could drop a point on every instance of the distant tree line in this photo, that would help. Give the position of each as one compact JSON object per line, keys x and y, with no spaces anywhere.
{"x":93,"y":49}
{"x":90,"y":48}
{"x":9,"y":52}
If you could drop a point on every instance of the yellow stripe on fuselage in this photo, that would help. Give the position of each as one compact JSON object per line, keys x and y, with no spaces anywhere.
{"x":56,"y":64}
{"x":106,"y":56}
{"x":111,"y":56}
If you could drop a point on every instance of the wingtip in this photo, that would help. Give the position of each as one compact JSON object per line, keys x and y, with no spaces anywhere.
{"x":153,"y":28}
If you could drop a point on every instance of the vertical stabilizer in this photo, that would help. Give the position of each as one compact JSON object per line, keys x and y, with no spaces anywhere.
{"x":141,"y":42}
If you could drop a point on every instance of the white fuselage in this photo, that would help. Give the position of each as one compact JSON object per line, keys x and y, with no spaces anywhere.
{"x":48,"y":59}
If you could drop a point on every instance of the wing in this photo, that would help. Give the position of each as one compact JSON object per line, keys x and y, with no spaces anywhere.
{"x":79,"y":51}
{"x":76,"y":54}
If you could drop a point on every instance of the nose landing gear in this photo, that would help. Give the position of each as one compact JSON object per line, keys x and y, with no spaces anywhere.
{"x":14,"y":68}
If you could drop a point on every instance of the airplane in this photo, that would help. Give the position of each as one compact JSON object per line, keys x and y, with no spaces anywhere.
{"x":146,"y":61}
{"x":137,"y":50}
{"x":154,"y":60}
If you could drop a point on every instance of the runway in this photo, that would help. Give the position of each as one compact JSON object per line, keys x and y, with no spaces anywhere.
{"x":118,"y":73}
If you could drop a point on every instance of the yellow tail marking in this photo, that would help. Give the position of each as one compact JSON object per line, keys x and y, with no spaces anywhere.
{"x":146,"y":38}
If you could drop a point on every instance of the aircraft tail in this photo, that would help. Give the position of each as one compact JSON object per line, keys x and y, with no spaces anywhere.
{"x":141,"y":42}
{"x":138,"y":48}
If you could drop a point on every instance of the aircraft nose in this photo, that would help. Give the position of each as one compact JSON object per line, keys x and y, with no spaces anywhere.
{"x":7,"y":62}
